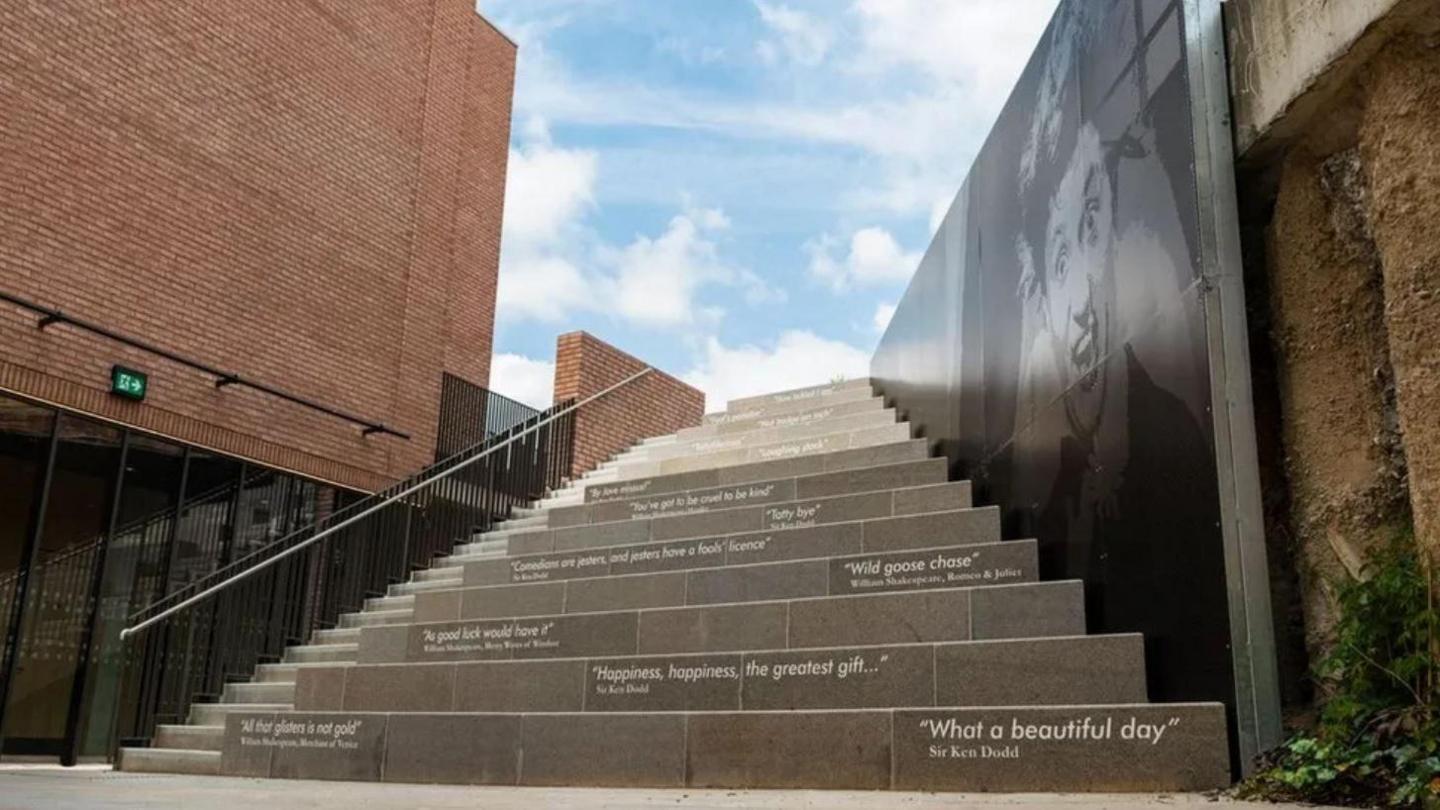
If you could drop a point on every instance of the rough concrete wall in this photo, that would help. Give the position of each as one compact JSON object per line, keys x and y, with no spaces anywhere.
{"x":1342,"y":455}
{"x":1400,"y":145}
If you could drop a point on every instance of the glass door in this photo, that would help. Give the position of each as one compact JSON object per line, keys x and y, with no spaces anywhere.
{"x":58,"y":601}
{"x":25,"y":435}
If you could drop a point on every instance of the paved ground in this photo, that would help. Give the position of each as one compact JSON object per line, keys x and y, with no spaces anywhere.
{"x":41,"y":788}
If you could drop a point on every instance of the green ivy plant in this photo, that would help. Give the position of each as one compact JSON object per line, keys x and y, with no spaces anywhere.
{"x":1377,"y":741}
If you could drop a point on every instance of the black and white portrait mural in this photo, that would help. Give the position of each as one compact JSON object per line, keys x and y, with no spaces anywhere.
{"x":1054,"y":338}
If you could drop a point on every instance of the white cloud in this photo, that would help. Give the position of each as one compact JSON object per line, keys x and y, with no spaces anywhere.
{"x":547,"y":188}
{"x":874,"y":258}
{"x":548,"y":191}
{"x":553,"y":265}
{"x":980,"y":45}
{"x":883,"y":315}
{"x":797,"y":358}
{"x":801,"y":36}
{"x":656,"y":279}
{"x":524,"y":379}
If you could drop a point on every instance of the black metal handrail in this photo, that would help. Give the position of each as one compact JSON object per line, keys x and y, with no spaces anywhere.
{"x":51,"y":316}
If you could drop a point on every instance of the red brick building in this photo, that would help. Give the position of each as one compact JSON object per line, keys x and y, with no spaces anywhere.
{"x":304,"y":194}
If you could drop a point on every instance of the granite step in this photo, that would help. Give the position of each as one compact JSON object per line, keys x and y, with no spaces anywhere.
{"x":374,"y":617}
{"x":1114,"y":747}
{"x":323,"y":652}
{"x":190,"y":738}
{"x":336,"y":635}
{"x":876,"y":572}
{"x":799,"y":398}
{"x":213,"y":714}
{"x":812,"y":464}
{"x":955,"y":527}
{"x":169,"y":760}
{"x":767,"y":517}
{"x":935,"y":529}
{"x":260,"y":691}
{"x":756,"y":435}
{"x":416,"y":586}
{"x":827,"y":443}
{"x":1024,"y":672}
{"x":785,"y":488}
{"x":1030,"y":610}
{"x":390,"y":603}
{"x":742,"y":421}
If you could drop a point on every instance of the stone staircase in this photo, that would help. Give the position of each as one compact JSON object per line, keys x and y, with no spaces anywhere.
{"x":790,"y":595}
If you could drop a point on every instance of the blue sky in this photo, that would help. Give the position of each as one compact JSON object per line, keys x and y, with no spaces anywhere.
{"x":736,"y":191}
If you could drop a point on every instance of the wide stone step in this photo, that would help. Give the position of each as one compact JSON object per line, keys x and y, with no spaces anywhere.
{"x":768,"y":517}
{"x":878,"y":455}
{"x":875,"y":572}
{"x":321,"y":652}
{"x":828,"y":443}
{"x":336,"y":635}
{"x":190,"y":738}
{"x":1119,"y":747}
{"x":259,"y":692}
{"x":390,"y":603}
{"x":1028,"y":672}
{"x":370,"y":618}
{"x":776,"y":490}
{"x":416,"y":586}
{"x":441,"y":572}
{"x":169,"y":760}
{"x":213,"y":714}
{"x":756,"y":435}
{"x":956,"y":527}
{"x":802,"y":398}
{"x":286,"y":672}
{"x":1031,"y":610}
{"x":742,"y":421}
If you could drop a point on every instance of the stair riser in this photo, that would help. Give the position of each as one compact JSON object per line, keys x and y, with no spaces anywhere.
{"x":758,"y":436}
{"x":824,"y":485}
{"x":990,"y":564}
{"x":1065,"y":671}
{"x":148,"y":760}
{"x":877,"y":455}
{"x":371,"y":619}
{"x":957,"y":614}
{"x":214,"y":714}
{"x":785,"y":401}
{"x":771,"y":517}
{"x":305,"y":655}
{"x":906,"y":749}
{"x":829,"y":443}
{"x":192,"y":738}
{"x":751,"y":420}
{"x":266,"y":692}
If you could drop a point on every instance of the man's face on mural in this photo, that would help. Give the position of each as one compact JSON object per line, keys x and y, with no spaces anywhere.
{"x":1079,"y":258}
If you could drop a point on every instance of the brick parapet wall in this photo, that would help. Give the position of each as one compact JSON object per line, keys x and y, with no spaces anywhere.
{"x":653,"y":405}
{"x":308,"y":195}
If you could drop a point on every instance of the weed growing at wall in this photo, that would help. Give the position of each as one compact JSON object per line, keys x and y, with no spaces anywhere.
{"x":1378,"y":738}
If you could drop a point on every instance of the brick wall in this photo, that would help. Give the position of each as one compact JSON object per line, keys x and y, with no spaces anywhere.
{"x":306,"y":193}
{"x":653,"y":405}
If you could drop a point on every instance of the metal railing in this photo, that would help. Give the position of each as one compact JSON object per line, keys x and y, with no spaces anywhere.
{"x":247,"y":612}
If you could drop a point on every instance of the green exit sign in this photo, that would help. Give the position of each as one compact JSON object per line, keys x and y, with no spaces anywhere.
{"x":128,"y":383}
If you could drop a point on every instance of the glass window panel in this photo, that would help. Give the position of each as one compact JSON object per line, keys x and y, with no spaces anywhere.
{"x":134,"y":565}
{"x":57,"y":601}
{"x":24,"y":439}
